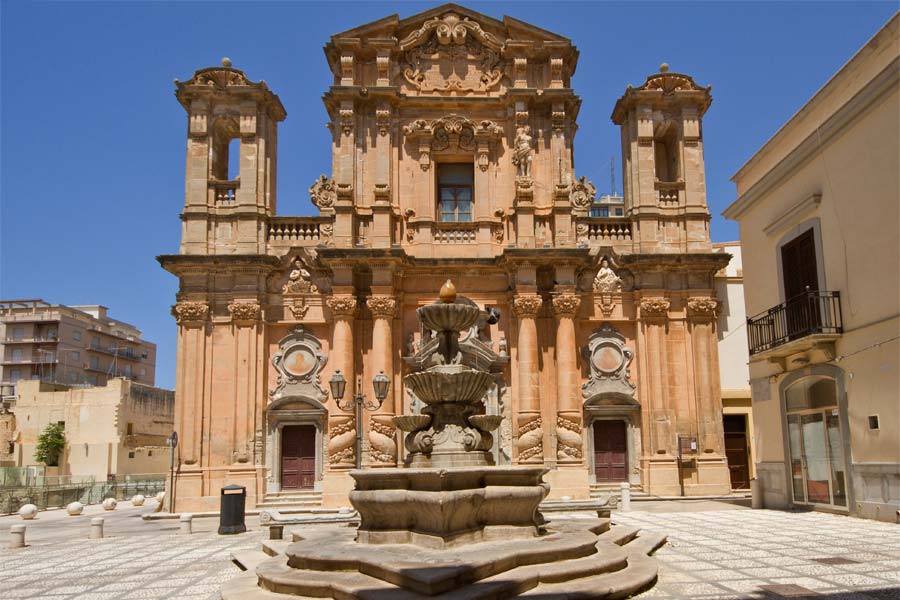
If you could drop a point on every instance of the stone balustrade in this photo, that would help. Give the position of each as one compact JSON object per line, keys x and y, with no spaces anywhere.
{"x":299,"y":231}
{"x":455,"y":233}
{"x":668,"y":193}
{"x":224,"y":192}
{"x":595,"y":230}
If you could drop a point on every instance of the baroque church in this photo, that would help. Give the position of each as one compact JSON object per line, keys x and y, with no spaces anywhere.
{"x":452,"y":158}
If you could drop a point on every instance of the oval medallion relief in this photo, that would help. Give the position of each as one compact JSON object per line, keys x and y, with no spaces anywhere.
{"x":607,"y":358}
{"x":300,"y":361}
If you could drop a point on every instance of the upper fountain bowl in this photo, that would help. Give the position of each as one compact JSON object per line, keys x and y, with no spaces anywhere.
{"x":442,"y":316}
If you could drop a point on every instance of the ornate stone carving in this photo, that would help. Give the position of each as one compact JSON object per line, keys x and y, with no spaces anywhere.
{"x":299,"y":362}
{"x":474,"y":56}
{"x":382,"y":307}
{"x":568,"y":436}
{"x":244,"y":311}
{"x":383,"y":119}
{"x":323,"y":192}
{"x":298,"y":308}
{"x":530,"y":439}
{"x":299,"y":280}
{"x":668,"y":83}
{"x":326,"y":233}
{"x":654,"y":307}
{"x":497,"y":233}
{"x":609,"y":359}
{"x":582,"y":194}
{"x":566,"y":305}
{"x":527,"y":306}
{"x":453,"y":131}
{"x":606,"y":281}
{"x":703,"y":307}
{"x":523,"y":151}
{"x":382,"y":443}
{"x":189,"y":312}
{"x":342,"y":306}
{"x":341,"y":441}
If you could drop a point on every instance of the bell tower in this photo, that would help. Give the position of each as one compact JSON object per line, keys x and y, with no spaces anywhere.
{"x":662,"y":160}
{"x":224,"y":211}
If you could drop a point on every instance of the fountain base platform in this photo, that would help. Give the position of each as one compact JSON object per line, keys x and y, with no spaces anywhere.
{"x":575,"y":558}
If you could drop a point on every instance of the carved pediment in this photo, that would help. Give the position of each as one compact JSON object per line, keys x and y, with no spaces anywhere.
{"x":609,"y":359}
{"x":299,"y":361}
{"x":451,"y":54}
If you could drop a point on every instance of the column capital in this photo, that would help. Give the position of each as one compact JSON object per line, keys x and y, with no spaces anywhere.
{"x":190,"y":313}
{"x":703,"y":307}
{"x":655,"y":308}
{"x":566,"y":305}
{"x":342,"y":306}
{"x":244,"y":312}
{"x":527,"y":306}
{"x":382,"y":307}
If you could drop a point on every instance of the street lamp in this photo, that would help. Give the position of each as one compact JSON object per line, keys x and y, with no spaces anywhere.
{"x":338,"y":385}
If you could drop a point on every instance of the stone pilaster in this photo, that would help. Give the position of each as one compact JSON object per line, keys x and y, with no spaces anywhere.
{"x":701,"y":313}
{"x":568,"y":418}
{"x":382,"y":433}
{"x":342,"y":426}
{"x":529,"y":433}
{"x":192,"y":317}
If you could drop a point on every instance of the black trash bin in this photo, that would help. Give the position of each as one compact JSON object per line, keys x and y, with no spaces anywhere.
{"x":231,"y":510}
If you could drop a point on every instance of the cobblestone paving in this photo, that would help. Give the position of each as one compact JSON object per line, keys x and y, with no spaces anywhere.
{"x":711,"y":554}
{"x":733,"y":553}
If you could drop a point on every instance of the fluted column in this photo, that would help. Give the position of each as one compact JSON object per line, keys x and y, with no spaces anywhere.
{"x":342,"y":426}
{"x":382,"y":433}
{"x":568,"y":416}
{"x":529,"y":432}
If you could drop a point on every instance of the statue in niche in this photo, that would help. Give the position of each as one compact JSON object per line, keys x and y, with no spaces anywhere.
{"x":606,"y":280}
{"x":522,"y":151}
{"x":299,"y":280}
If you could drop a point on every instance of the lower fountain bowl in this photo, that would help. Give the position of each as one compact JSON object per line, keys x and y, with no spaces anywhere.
{"x":464,"y":386}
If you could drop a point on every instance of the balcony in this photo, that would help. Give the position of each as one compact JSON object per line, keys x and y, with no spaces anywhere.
{"x":800,"y":324}
{"x":603,"y":230}
{"x":224,"y":192}
{"x":299,"y":231}
{"x":127,"y":353}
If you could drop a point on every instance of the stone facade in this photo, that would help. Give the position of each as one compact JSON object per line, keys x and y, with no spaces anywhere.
{"x":818,"y":213}
{"x":452,"y":157}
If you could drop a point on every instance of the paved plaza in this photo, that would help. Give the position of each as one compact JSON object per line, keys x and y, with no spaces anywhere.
{"x":715,"y":550}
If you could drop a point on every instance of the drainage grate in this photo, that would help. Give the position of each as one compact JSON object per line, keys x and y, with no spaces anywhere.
{"x":788,"y":590}
{"x":836,"y":560}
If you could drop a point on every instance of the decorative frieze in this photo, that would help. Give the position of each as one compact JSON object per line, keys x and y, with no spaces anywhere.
{"x":343,"y":306}
{"x":527,"y":306}
{"x":654,"y":307}
{"x":382,"y":307}
{"x":190,"y":313}
{"x":566,"y":305}
{"x":244,"y":312}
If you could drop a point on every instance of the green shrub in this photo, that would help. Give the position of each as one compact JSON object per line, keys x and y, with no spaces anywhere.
{"x":50,"y":445}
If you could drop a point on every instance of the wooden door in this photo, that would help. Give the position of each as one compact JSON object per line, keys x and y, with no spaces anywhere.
{"x":736,"y":450}
{"x":298,"y":457}
{"x":610,"y":452}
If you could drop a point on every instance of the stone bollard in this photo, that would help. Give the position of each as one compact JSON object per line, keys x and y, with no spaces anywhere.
{"x":137,"y":500}
{"x":110,"y":504}
{"x":625,"y":501}
{"x":186,"y":524}
{"x":74,"y":508}
{"x":160,"y":496}
{"x":28,"y":512}
{"x":97,"y":528}
{"x":17,"y":536}
{"x":756,"y":493}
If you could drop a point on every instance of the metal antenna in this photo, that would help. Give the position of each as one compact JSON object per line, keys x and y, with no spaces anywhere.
{"x":612,"y":175}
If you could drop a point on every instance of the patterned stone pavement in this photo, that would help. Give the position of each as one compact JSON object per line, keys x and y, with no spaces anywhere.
{"x":715,"y":551}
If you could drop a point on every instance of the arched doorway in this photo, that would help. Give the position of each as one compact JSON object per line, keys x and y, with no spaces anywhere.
{"x":816,"y":442}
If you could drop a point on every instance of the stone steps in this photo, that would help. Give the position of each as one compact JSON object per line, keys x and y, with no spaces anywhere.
{"x":291,"y":499}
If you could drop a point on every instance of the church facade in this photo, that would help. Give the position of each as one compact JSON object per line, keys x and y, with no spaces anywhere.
{"x":452,"y":145}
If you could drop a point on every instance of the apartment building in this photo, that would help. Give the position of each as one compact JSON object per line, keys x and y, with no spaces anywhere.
{"x":71,"y":345}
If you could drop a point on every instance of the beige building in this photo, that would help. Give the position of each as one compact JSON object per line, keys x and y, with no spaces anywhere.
{"x":734,"y":374}
{"x":452,"y":157}
{"x":818,"y":209}
{"x":70,"y":345}
{"x":116,"y":429}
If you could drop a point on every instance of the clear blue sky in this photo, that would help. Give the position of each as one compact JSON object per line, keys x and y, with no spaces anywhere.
{"x":93,"y":139}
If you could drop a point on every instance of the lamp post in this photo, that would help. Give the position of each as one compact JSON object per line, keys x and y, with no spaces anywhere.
{"x":338,"y":385}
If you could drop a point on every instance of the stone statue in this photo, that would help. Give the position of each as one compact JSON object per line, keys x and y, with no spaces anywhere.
{"x":606,"y":280}
{"x":523,"y":151}
{"x":299,"y":279}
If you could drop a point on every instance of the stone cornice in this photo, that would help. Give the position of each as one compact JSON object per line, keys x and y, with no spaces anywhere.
{"x":178,"y":264}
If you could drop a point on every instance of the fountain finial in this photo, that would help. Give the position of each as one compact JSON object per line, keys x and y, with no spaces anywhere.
{"x":448,"y":293}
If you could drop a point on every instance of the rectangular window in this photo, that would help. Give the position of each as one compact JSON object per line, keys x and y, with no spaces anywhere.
{"x":75,"y":356}
{"x":18,"y":333}
{"x":599,"y":211}
{"x":455,"y":192}
{"x":15,"y":375}
{"x":92,"y":379}
{"x":129,"y":429}
{"x":127,"y":370}
{"x":798,"y":265}
{"x":95,"y":362}
{"x":620,"y":212}
{"x":131,"y":455}
{"x":17,"y":355}
{"x":76,"y":335}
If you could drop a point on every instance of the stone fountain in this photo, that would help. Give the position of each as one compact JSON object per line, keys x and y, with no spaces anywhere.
{"x":451,"y":524}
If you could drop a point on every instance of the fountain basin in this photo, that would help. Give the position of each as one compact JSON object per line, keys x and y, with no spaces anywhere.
{"x":441,"y":508}
{"x":411,"y":423}
{"x":486,"y":422}
{"x":465,"y":386}
{"x":448,"y":317}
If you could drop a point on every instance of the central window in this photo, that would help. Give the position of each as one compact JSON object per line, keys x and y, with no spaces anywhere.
{"x":455,"y":192}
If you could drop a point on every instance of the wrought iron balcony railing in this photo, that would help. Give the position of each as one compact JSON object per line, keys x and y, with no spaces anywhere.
{"x":809,"y":313}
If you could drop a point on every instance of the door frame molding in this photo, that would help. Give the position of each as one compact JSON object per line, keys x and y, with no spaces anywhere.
{"x":631,"y":416}
{"x":287,"y":411}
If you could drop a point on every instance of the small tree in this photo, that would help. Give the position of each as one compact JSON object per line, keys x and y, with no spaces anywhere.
{"x":50,"y":445}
